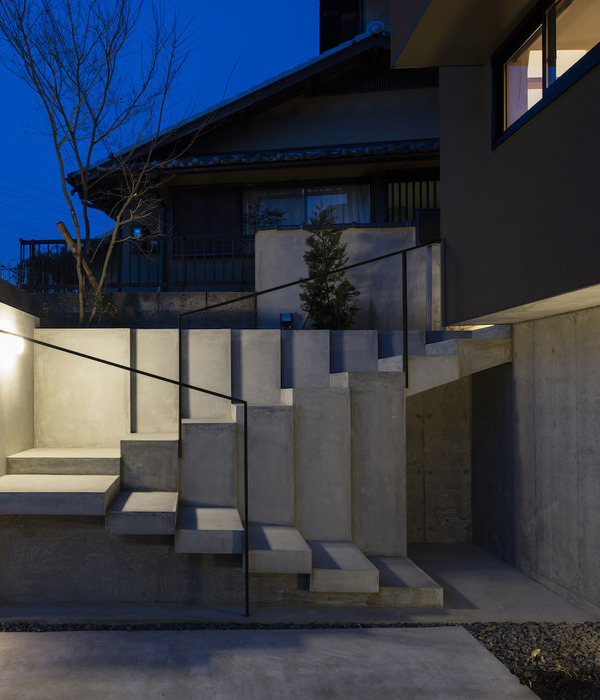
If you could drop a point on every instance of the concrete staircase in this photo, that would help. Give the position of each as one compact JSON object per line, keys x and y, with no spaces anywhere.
{"x":326,"y":435}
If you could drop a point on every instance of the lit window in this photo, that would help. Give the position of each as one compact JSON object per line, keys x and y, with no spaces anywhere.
{"x":551,"y":41}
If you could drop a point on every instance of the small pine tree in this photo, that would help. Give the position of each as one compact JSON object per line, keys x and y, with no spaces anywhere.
{"x":329,"y":300}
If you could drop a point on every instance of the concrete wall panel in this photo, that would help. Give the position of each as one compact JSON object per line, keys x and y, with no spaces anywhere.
{"x":541,"y":496}
{"x":323,"y":463}
{"x":279,"y":259}
{"x":78,"y":402}
{"x":438,"y":440}
{"x":256,"y":366}
{"x":207,"y":365}
{"x":16,"y":383}
{"x":155,"y":403}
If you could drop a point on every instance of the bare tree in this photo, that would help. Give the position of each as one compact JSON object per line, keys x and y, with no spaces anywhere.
{"x":101,"y":85}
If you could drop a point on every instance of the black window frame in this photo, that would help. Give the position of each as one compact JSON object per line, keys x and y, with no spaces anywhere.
{"x":536,"y":18}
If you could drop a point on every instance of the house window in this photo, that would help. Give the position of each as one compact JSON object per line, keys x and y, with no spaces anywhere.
{"x":551,"y":49}
{"x":291,"y":207}
{"x":406,"y":197}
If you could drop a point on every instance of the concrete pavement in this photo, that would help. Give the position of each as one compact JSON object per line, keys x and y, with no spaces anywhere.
{"x":435,"y":663}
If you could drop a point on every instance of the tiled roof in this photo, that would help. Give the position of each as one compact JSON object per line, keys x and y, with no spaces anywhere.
{"x":291,"y":155}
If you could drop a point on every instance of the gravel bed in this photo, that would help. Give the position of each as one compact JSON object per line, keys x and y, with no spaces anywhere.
{"x":558,"y":661}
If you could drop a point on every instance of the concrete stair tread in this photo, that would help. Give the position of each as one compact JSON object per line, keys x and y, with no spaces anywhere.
{"x":278,"y":549}
{"x":206,"y":421}
{"x":65,"y":460}
{"x":151,"y":436}
{"x":57,"y":494}
{"x":401,"y":572}
{"x":142,"y":513}
{"x":68,"y":453}
{"x":207,"y":529}
{"x":340,"y":567}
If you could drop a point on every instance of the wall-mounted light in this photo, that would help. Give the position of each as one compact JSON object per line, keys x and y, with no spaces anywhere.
{"x":10,"y":346}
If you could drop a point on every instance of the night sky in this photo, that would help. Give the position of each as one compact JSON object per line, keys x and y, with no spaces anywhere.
{"x":238,"y":41}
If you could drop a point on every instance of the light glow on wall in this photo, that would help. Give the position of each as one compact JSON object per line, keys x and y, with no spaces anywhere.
{"x":10,"y":346}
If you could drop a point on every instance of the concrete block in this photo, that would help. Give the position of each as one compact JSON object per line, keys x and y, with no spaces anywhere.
{"x":142,"y":513}
{"x":305,"y":359}
{"x":256,"y":365}
{"x":209,"y":463}
{"x":79,"y":402}
{"x":56,"y":494}
{"x":427,"y":372}
{"x":323,"y":466}
{"x":66,"y":460}
{"x":378,"y":460}
{"x":340,"y":567}
{"x":155,"y":404}
{"x":150,"y":461}
{"x":209,"y":531}
{"x":403,"y":584}
{"x":207,"y":365}
{"x":271,"y":464}
{"x":391,"y":343}
{"x":275,"y":549}
{"x":354,"y":351}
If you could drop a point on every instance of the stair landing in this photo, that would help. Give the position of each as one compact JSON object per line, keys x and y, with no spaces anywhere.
{"x":57,"y":494}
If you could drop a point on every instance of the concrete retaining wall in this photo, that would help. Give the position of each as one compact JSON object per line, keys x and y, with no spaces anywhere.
{"x":438,"y":463}
{"x":279,"y":259}
{"x":536,"y":449}
{"x":16,"y":384}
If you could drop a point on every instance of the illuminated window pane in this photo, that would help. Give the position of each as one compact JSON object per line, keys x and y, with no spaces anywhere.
{"x":573,"y":29}
{"x":524,"y":78}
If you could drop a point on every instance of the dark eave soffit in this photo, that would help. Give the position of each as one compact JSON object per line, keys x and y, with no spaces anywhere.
{"x":456,"y":32}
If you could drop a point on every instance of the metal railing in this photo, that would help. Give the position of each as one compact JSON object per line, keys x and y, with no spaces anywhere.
{"x":160,"y":263}
{"x":234,"y":400}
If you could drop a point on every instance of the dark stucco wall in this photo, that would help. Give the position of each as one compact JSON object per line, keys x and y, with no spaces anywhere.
{"x":521,"y":222}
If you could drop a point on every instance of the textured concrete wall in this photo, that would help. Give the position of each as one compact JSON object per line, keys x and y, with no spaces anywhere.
{"x":438,"y":463}
{"x":78,"y":402}
{"x":536,"y":427}
{"x":16,"y":384}
{"x":279,"y":259}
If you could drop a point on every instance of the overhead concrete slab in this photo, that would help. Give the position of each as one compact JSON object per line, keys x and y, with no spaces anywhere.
{"x":65,"y":460}
{"x":349,"y":664}
{"x":340,"y":567}
{"x":276,"y":549}
{"x":56,"y":494}
{"x":209,"y":531}
{"x":142,"y":513}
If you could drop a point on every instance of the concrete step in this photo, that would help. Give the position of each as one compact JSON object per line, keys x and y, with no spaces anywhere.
{"x":142,"y":513}
{"x":65,"y":460}
{"x":277,"y":549}
{"x":150,"y":462}
{"x":340,"y":567}
{"x":450,"y":360}
{"x":209,"y":530}
{"x":403,"y":584}
{"x":57,"y":494}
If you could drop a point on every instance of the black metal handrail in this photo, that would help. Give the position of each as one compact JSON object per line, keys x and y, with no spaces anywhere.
{"x":287,"y":285}
{"x":181,"y":385}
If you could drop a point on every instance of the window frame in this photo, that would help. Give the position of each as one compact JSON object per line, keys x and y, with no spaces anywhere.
{"x":536,"y":18}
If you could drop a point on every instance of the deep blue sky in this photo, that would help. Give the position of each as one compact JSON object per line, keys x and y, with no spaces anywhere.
{"x":256,"y":40}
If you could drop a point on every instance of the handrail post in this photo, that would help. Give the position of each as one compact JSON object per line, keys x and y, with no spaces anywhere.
{"x":180,"y":389}
{"x":246,"y":518}
{"x":404,"y":320}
